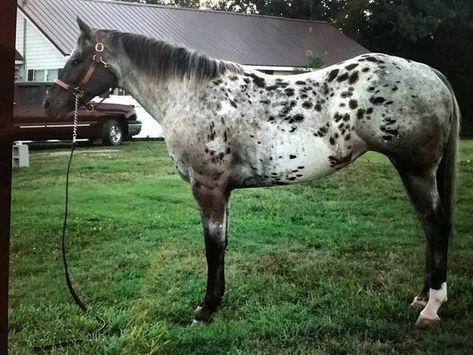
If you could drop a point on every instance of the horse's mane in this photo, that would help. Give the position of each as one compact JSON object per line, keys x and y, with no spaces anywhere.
{"x":163,"y":61}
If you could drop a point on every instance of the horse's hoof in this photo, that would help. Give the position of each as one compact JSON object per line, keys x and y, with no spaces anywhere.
{"x":419,"y":302}
{"x":203,"y":314}
{"x":425,"y":321}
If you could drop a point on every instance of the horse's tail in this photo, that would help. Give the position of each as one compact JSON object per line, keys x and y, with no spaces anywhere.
{"x":446,"y":173}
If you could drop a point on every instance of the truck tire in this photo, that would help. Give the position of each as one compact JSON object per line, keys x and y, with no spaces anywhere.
{"x":112,"y":133}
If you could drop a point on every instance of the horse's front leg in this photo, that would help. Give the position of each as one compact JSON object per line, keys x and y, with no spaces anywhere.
{"x":213,"y":204}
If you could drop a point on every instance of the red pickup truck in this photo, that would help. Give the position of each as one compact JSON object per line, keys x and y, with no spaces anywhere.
{"x":112,"y":123}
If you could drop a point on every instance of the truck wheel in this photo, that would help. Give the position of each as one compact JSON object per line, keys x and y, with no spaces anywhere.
{"x":112,"y":133}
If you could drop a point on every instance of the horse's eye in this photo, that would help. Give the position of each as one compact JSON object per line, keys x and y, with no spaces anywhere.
{"x":76,"y":62}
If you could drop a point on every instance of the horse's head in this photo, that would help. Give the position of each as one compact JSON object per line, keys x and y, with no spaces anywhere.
{"x":86,"y":73}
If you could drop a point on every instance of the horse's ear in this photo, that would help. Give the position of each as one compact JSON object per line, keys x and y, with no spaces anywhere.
{"x":85,"y":29}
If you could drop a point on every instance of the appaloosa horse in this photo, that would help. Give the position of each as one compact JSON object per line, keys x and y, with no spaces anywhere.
{"x":230,"y":127}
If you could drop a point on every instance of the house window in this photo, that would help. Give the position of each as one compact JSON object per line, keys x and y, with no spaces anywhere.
{"x":36,"y":74}
{"x":52,"y":74}
{"x":43,"y":74}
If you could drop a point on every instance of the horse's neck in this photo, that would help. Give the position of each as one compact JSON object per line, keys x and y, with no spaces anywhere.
{"x":155,"y":99}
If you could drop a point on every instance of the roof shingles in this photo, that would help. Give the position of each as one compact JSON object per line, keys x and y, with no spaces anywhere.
{"x":250,"y":40}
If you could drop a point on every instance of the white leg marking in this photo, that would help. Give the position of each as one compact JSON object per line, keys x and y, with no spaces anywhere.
{"x":436,"y":298}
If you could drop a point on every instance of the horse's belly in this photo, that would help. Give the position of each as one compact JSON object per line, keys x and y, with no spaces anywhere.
{"x":284,"y":161}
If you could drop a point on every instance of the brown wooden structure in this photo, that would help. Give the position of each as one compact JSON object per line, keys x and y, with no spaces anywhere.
{"x":7,"y":72}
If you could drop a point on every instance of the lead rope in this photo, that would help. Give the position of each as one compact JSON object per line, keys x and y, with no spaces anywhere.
{"x":87,"y":311}
{"x":76,"y":298}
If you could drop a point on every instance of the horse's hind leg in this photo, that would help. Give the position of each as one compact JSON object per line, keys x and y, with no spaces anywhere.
{"x":424,"y":195}
{"x":213,"y":204}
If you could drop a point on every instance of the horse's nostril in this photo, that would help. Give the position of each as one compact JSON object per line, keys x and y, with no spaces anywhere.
{"x":46,"y":104}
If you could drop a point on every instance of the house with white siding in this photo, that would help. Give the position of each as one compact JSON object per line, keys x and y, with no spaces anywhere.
{"x":41,"y":60}
{"x":47,"y":31}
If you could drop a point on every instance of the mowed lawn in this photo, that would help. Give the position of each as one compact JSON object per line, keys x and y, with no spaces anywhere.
{"x":327,"y":267}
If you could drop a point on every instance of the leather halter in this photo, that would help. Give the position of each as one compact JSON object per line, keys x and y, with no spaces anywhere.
{"x":97,"y":59}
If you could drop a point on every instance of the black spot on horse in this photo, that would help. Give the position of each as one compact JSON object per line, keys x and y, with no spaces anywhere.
{"x":298,"y":117}
{"x":342,"y":77}
{"x":346,"y":94}
{"x":289,"y":91}
{"x":346,"y":117}
{"x":332,"y":141}
{"x":300,"y":82}
{"x":304,"y":96}
{"x":332,"y":75}
{"x":377,"y":100}
{"x":337,"y":117}
{"x":292,"y":156}
{"x":374,"y":60}
{"x":233,"y":78}
{"x":347,"y":137}
{"x":360,"y":113}
{"x":394,"y":88}
{"x":246,"y":80}
{"x":259,"y":82}
{"x":307,"y":104}
{"x":353,"y":77}
{"x":271,"y":88}
{"x":351,"y":66}
{"x":371,"y":88}
{"x":365,"y":70}
{"x":318,"y":107}
{"x":388,"y":103}
{"x":264,"y":102}
{"x":353,"y":104}
{"x":369,"y":111}
{"x":233,"y":103}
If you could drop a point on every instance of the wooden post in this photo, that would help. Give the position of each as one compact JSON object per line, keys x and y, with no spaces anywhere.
{"x":7,"y":77}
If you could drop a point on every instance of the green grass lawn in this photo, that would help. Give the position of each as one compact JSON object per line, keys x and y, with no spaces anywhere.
{"x":327,"y":267}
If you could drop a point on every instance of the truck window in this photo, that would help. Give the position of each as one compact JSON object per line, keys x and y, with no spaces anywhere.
{"x":30,"y":95}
